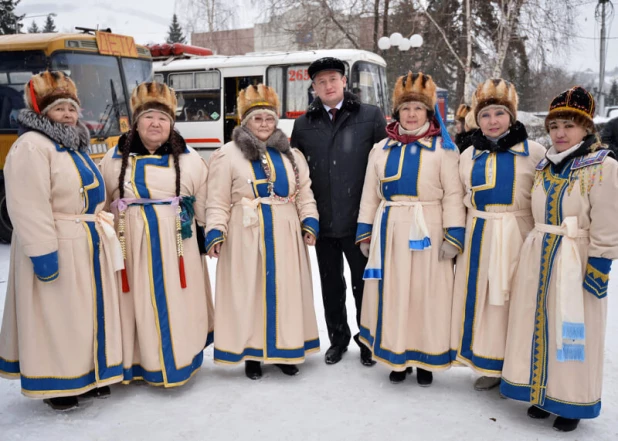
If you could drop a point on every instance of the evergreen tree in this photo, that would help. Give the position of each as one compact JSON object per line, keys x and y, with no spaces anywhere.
{"x":612,"y":98}
{"x":34,"y":28}
{"x":9,"y":22}
{"x":50,"y":26}
{"x":174,"y":34}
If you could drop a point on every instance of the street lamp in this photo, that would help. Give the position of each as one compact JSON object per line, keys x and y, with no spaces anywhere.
{"x":396,"y":39}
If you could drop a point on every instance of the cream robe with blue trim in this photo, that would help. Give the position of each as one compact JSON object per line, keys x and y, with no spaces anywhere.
{"x":498,"y":183}
{"x":586,"y":188}
{"x":61,"y":328}
{"x":405,"y":317}
{"x":164,"y":327}
{"x":264,"y":292}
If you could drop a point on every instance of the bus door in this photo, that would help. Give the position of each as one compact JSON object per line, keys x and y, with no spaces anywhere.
{"x":231,"y":87}
{"x":199,"y":111}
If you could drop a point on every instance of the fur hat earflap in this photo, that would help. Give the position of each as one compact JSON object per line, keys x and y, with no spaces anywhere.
{"x":153,"y":96}
{"x":414,"y":87}
{"x":495,"y":92}
{"x":257,"y":97}
{"x":462,"y":111}
{"x":575,"y":103}
{"x":48,"y":88}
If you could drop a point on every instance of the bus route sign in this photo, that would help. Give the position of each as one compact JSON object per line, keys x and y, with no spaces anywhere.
{"x":116,"y":45}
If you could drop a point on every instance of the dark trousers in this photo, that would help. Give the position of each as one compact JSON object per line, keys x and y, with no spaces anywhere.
{"x":330,"y":252}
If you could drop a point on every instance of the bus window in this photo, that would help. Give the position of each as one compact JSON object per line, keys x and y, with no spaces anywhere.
{"x":366,"y":83}
{"x":136,"y":71}
{"x":99,"y":87}
{"x":199,"y":95}
{"x":158,"y":78}
{"x":274,"y":79}
{"x":16,"y":68}
{"x":299,"y":88}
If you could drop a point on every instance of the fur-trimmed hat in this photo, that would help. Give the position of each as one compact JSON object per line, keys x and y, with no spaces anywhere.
{"x":151,"y":96}
{"x":462,"y":111}
{"x":414,"y":87}
{"x":257,"y":97}
{"x":470,"y":122}
{"x":326,"y":63}
{"x":46,"y":89}
{"x":495,"y":92}
{"x":576,"y":103}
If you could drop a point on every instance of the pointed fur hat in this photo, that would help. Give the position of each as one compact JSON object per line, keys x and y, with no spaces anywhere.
{"x":151,"y":96}
{"x":462,"y":111}
{"x":414,"y":87}
{"x":257,"y":97}
{"x":495,"y":92}
{"x":49,"y":88}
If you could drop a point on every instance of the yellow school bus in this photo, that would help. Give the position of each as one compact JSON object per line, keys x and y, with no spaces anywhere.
{"x":104,"y":66}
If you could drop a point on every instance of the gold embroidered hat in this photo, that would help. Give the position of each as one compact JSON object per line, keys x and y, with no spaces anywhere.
{"x":257,"y":97}
{"x":575,"y":103}
{"x":495,"y":92}
{"x":153,"y":96}
{"x":49,"y":88}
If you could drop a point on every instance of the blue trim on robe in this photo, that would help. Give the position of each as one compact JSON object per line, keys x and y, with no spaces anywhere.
{"x":9,"y":367}
{"x":171,"y":374}
{"x":455,"y":236}
{"x":420,"y":245}
{"x":231,"y":357}
{"x":407,"y":183}
{"x":46,"y":266}
{"x":312,"y":226}
{"x":212,"y":238}
{"x":363,"y":232}
{"x":137,"y":371}
{"x":596,"y":279}
{"x":521,"y":392}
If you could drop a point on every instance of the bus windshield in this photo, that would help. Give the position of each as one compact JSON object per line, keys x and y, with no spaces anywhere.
{"x":99,"y":86}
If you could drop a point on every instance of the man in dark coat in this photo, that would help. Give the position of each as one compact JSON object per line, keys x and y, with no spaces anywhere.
{"x":336,"y":135}
{"x":609,"y":135}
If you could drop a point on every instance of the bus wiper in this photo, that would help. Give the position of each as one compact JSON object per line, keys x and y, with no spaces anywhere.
{"x":105,"y":121}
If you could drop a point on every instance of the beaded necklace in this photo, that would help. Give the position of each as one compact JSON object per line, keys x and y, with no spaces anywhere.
{"x":271,"y":184}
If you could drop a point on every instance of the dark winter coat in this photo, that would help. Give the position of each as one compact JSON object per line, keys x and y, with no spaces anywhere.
{"x":609,"y":134}
{"x":337,"y":154}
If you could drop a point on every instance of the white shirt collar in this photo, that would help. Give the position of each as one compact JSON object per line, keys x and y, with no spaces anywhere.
{"x":338,"y":106}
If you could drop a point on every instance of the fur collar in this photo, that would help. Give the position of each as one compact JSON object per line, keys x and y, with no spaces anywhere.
{"x":517,"y":133}
{"x":73,"y":138}
{"x":251,"y":147}
{"x":351,"y":103}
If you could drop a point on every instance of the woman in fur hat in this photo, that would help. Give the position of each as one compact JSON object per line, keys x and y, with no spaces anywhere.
{"x":158,"y":186}
{"x":260,"y":216}
{"x":61,"y":329}
{"x":463,"y":131}
{"x":411,"y":226}
{"x":554,"y":351}
{"x":497,"y":172}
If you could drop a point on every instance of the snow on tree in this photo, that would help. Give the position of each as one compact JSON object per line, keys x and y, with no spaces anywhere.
{"x":174,"y":34}
{"x":10,"y":23}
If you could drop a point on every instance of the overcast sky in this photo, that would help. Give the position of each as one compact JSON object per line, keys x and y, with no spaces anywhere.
{"x":148,"y":20}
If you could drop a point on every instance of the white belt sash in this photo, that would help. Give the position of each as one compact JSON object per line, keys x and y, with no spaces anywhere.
{"x":570,"y":329}
{"x":418,"y":237}
{"x":105,"y":221}
{"x":250,"y":206}
{"x":506,"y":242}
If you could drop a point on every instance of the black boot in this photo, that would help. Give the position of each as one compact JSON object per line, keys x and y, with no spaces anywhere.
{"x":565,"y":424}
{"x":399,"y":376}
{"x":334,"y":354}
{"x":365,"y":352}
{"x":62,"y":403}
{"x":98,"y":392}
{"x":424,"y":378}
{"x":253,"y":370}
{"x":537,"y":413}
{"x":288,"y":369}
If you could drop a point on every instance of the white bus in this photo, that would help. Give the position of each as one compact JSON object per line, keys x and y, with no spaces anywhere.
{"x":207,"y":87}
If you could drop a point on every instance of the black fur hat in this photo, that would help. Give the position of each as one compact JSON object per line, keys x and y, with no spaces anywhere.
{"x":326,"y":63}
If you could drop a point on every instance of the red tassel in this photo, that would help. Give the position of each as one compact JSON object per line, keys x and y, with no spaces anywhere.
{"x":181,"y":267}
{"x":125,"y":279}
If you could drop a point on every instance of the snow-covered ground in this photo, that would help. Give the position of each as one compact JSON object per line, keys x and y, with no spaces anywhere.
{"x":346,"y":401}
